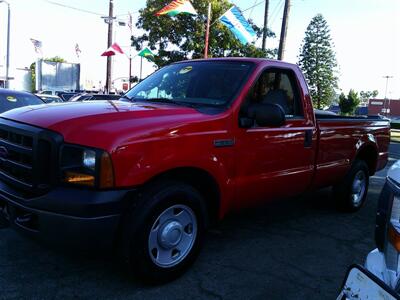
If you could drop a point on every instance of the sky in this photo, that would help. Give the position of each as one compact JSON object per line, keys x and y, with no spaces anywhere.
{"x":365,"y":33}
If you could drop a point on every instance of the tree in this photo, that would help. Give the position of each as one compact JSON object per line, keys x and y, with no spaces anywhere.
{"x":318,"y":62}
{"x":349,"y":104}
{"x":33,"y":70}
{"x":366,"y":95}
{"x":183,"y":36}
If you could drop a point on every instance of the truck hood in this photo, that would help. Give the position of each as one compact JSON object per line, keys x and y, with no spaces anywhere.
{"x":105,"y":124}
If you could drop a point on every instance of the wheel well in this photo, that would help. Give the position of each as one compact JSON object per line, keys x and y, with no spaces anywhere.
{"x":202,"y":181}
{"x":370,"y":156}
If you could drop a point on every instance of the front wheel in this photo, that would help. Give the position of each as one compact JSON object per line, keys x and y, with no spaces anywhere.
{"x":164,"y":232}
{"x":352,"y":191}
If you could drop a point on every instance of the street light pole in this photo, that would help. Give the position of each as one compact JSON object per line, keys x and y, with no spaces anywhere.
{"x":386,"y":99}
{"x":7,"y":85}
{"x":387,"y":81}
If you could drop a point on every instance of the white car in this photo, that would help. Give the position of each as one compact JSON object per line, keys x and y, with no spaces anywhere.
{"x":380,"y":276}
{"x":50,"y":98}
{"x":384,"y":261}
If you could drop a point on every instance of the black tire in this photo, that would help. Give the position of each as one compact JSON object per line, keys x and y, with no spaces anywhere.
{"x":138,"y":222}
{"x":343,"y":192}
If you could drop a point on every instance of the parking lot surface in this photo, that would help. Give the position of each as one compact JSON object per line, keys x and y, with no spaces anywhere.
{"x":296,"y":248}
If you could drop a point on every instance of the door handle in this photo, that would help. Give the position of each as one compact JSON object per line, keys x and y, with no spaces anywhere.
{"x":308,"y":135}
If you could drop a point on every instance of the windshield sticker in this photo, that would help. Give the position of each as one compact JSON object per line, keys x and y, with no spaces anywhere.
{"x":11,"y":99}
{"x":185,"y":70}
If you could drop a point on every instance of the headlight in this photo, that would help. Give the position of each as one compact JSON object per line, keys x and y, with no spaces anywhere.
{"x":89,"y":159}
{"x":86,"y":167}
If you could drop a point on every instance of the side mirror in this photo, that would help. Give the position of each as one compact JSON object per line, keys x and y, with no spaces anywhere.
{"x":267,"y":114}
{"x":360,"y":284}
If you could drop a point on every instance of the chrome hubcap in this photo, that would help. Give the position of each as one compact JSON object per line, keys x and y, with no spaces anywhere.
{"x":358,"y":188}
{"x":172,"y":236}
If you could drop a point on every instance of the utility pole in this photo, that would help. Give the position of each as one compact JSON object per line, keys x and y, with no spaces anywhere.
{"x":265,"y":29}
{"x":130,"y":51}
{"x":285,"y":20}
{"x":7,"y":83}
{"x":207,"y":31}
{"x":109,"y":43}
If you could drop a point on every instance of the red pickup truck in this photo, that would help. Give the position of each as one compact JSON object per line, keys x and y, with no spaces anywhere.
{"x":193,"y":141}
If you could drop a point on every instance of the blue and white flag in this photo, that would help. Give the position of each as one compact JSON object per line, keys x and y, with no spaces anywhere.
{"x":234,"y":20}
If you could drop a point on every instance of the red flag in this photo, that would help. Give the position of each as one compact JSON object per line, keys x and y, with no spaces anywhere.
{"x":113,"y":50}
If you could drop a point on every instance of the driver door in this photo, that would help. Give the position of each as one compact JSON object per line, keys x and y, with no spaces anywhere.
{"x":275,"y":161}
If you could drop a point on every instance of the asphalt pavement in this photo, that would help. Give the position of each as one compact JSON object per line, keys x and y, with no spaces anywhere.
{"x":296,"y":248}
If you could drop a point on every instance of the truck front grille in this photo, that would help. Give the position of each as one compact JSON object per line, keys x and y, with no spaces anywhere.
{"x":28,"y":156}
{"x":16,"y":157}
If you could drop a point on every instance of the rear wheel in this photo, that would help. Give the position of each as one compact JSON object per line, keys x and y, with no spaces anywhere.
{"x":164,"y":232}
{"x":351,"y":193}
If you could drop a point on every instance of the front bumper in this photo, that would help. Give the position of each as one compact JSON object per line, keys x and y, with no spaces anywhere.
{"x":66,"y":216}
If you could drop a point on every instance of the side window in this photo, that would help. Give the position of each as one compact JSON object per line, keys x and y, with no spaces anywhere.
{"x":278,"y":87}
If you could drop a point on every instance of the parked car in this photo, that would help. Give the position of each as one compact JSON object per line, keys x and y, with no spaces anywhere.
{"x":65,"y":96}
{"x":10,"y":99}
{"x":49,"y":92}
{"x":380,"y":276}
{"x":50,"y":98}
{"x":384,"y":261}
{"x":90,"y":97}
{"x":197,"y":139}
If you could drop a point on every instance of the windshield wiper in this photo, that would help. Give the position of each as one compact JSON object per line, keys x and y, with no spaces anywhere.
{"x":126,"y":97}
{"x":171,"y":101}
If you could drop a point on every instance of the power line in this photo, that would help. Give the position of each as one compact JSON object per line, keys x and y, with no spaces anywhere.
{"x":251,"y":12}
{"x":132,"y":13}
{"x":72,"y":7}
{"x":251,"y":7}
{"x":275,"y":14}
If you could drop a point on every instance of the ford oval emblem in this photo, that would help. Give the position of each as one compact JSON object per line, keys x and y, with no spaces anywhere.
{"x":3,"y":152}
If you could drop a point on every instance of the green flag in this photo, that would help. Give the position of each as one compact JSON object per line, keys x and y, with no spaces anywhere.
{"x":146,"y":53}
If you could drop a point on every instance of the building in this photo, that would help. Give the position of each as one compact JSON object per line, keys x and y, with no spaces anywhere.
{"x":385,"y":107}
{"x":19,"y":79}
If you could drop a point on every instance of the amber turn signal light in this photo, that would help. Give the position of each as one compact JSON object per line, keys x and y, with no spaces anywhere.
{"x":394,"y":237}
{"x":79,"y":178}
{"x":106,"y":172}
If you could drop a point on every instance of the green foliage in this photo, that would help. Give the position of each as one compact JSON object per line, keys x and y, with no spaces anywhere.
{"x":349,"y":104}
{"x":55,"y":59}
{"x":33,"y":70}
{"x":33,"y":77}
{"x":183,"y":36}
{"x":366,"y":95}
{"x":134,"y":79}
{"x":318,"y":62}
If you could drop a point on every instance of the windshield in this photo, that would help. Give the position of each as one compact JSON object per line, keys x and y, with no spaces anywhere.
{"x":203,"y":83}
{"x":10,"y":101}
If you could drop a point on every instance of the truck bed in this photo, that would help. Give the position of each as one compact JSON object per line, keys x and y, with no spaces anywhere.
{"x":327,"y":115}
{"x":341,"y":137}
